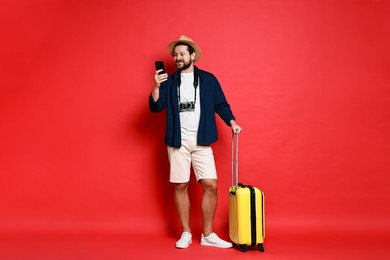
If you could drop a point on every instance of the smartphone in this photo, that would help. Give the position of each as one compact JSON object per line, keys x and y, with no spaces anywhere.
{"x":159,"y":66}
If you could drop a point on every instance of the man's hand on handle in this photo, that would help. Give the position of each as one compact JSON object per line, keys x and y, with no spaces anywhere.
{"x":235,"y":128}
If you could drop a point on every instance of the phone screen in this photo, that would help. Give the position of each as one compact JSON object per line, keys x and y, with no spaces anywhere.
{"x":159,"y":66}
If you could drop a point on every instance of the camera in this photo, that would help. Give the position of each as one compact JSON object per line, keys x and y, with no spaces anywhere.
{"x":187,"y":106}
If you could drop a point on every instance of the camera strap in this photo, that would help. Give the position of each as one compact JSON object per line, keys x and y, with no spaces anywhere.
{"x":196,"y":83}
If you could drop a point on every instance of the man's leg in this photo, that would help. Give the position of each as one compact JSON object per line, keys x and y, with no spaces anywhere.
{"x":183,"y":209}
{"x":209,"y":204}
{"x":180,"y":161}
{"x":182,"y":203}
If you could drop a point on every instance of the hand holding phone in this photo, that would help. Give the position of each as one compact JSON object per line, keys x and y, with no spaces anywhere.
{"x":161,"y":76}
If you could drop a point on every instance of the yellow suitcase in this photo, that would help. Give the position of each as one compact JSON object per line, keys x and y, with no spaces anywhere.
{"x":246,"y":211}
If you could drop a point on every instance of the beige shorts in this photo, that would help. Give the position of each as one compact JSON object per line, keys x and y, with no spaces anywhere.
{"x":201,"y":158}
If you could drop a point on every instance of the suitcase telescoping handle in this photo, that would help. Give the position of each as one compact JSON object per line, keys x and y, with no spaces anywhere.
{"x":235,"y":161}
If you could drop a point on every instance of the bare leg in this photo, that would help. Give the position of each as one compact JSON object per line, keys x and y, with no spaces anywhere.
{"x":209,"y":204}
{"x":183,"y":205}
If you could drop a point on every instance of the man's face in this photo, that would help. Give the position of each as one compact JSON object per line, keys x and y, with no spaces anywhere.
{"x":181,"y":56}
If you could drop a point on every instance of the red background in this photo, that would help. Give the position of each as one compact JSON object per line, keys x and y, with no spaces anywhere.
{"x":309,"y":82}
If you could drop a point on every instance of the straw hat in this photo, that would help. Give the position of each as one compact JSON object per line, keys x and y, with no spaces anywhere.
{"x":188,"y":41}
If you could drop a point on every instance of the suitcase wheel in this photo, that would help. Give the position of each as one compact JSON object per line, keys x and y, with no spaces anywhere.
{"x":244,"y":248}
{"x":261,"y":247}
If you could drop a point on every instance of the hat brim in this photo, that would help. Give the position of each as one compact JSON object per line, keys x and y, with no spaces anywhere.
{"x":196,"y":47}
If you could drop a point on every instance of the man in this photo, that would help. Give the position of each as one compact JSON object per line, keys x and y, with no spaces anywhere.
{"x":191,"y":98}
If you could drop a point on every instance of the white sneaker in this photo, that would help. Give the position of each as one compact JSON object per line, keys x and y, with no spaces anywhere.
{"x":214,"y":240}
{"x":185,"y":240}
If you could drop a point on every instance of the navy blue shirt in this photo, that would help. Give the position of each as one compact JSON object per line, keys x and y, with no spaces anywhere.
{"x":212,"y":100}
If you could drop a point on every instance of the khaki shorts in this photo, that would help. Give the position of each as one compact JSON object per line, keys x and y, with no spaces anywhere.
{"x":201,"y":158}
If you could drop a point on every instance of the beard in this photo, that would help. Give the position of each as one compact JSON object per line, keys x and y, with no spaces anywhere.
{"x":185,"y":65}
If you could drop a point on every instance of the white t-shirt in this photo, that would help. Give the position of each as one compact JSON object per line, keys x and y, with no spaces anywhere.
{"x":189,"y":120}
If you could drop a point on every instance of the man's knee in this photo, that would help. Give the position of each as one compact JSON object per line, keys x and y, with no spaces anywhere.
{"x":209,"y":185}
{"x":181,"y":187}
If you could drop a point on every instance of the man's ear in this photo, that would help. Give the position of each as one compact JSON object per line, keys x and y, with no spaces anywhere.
{"x":193,"y":55}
